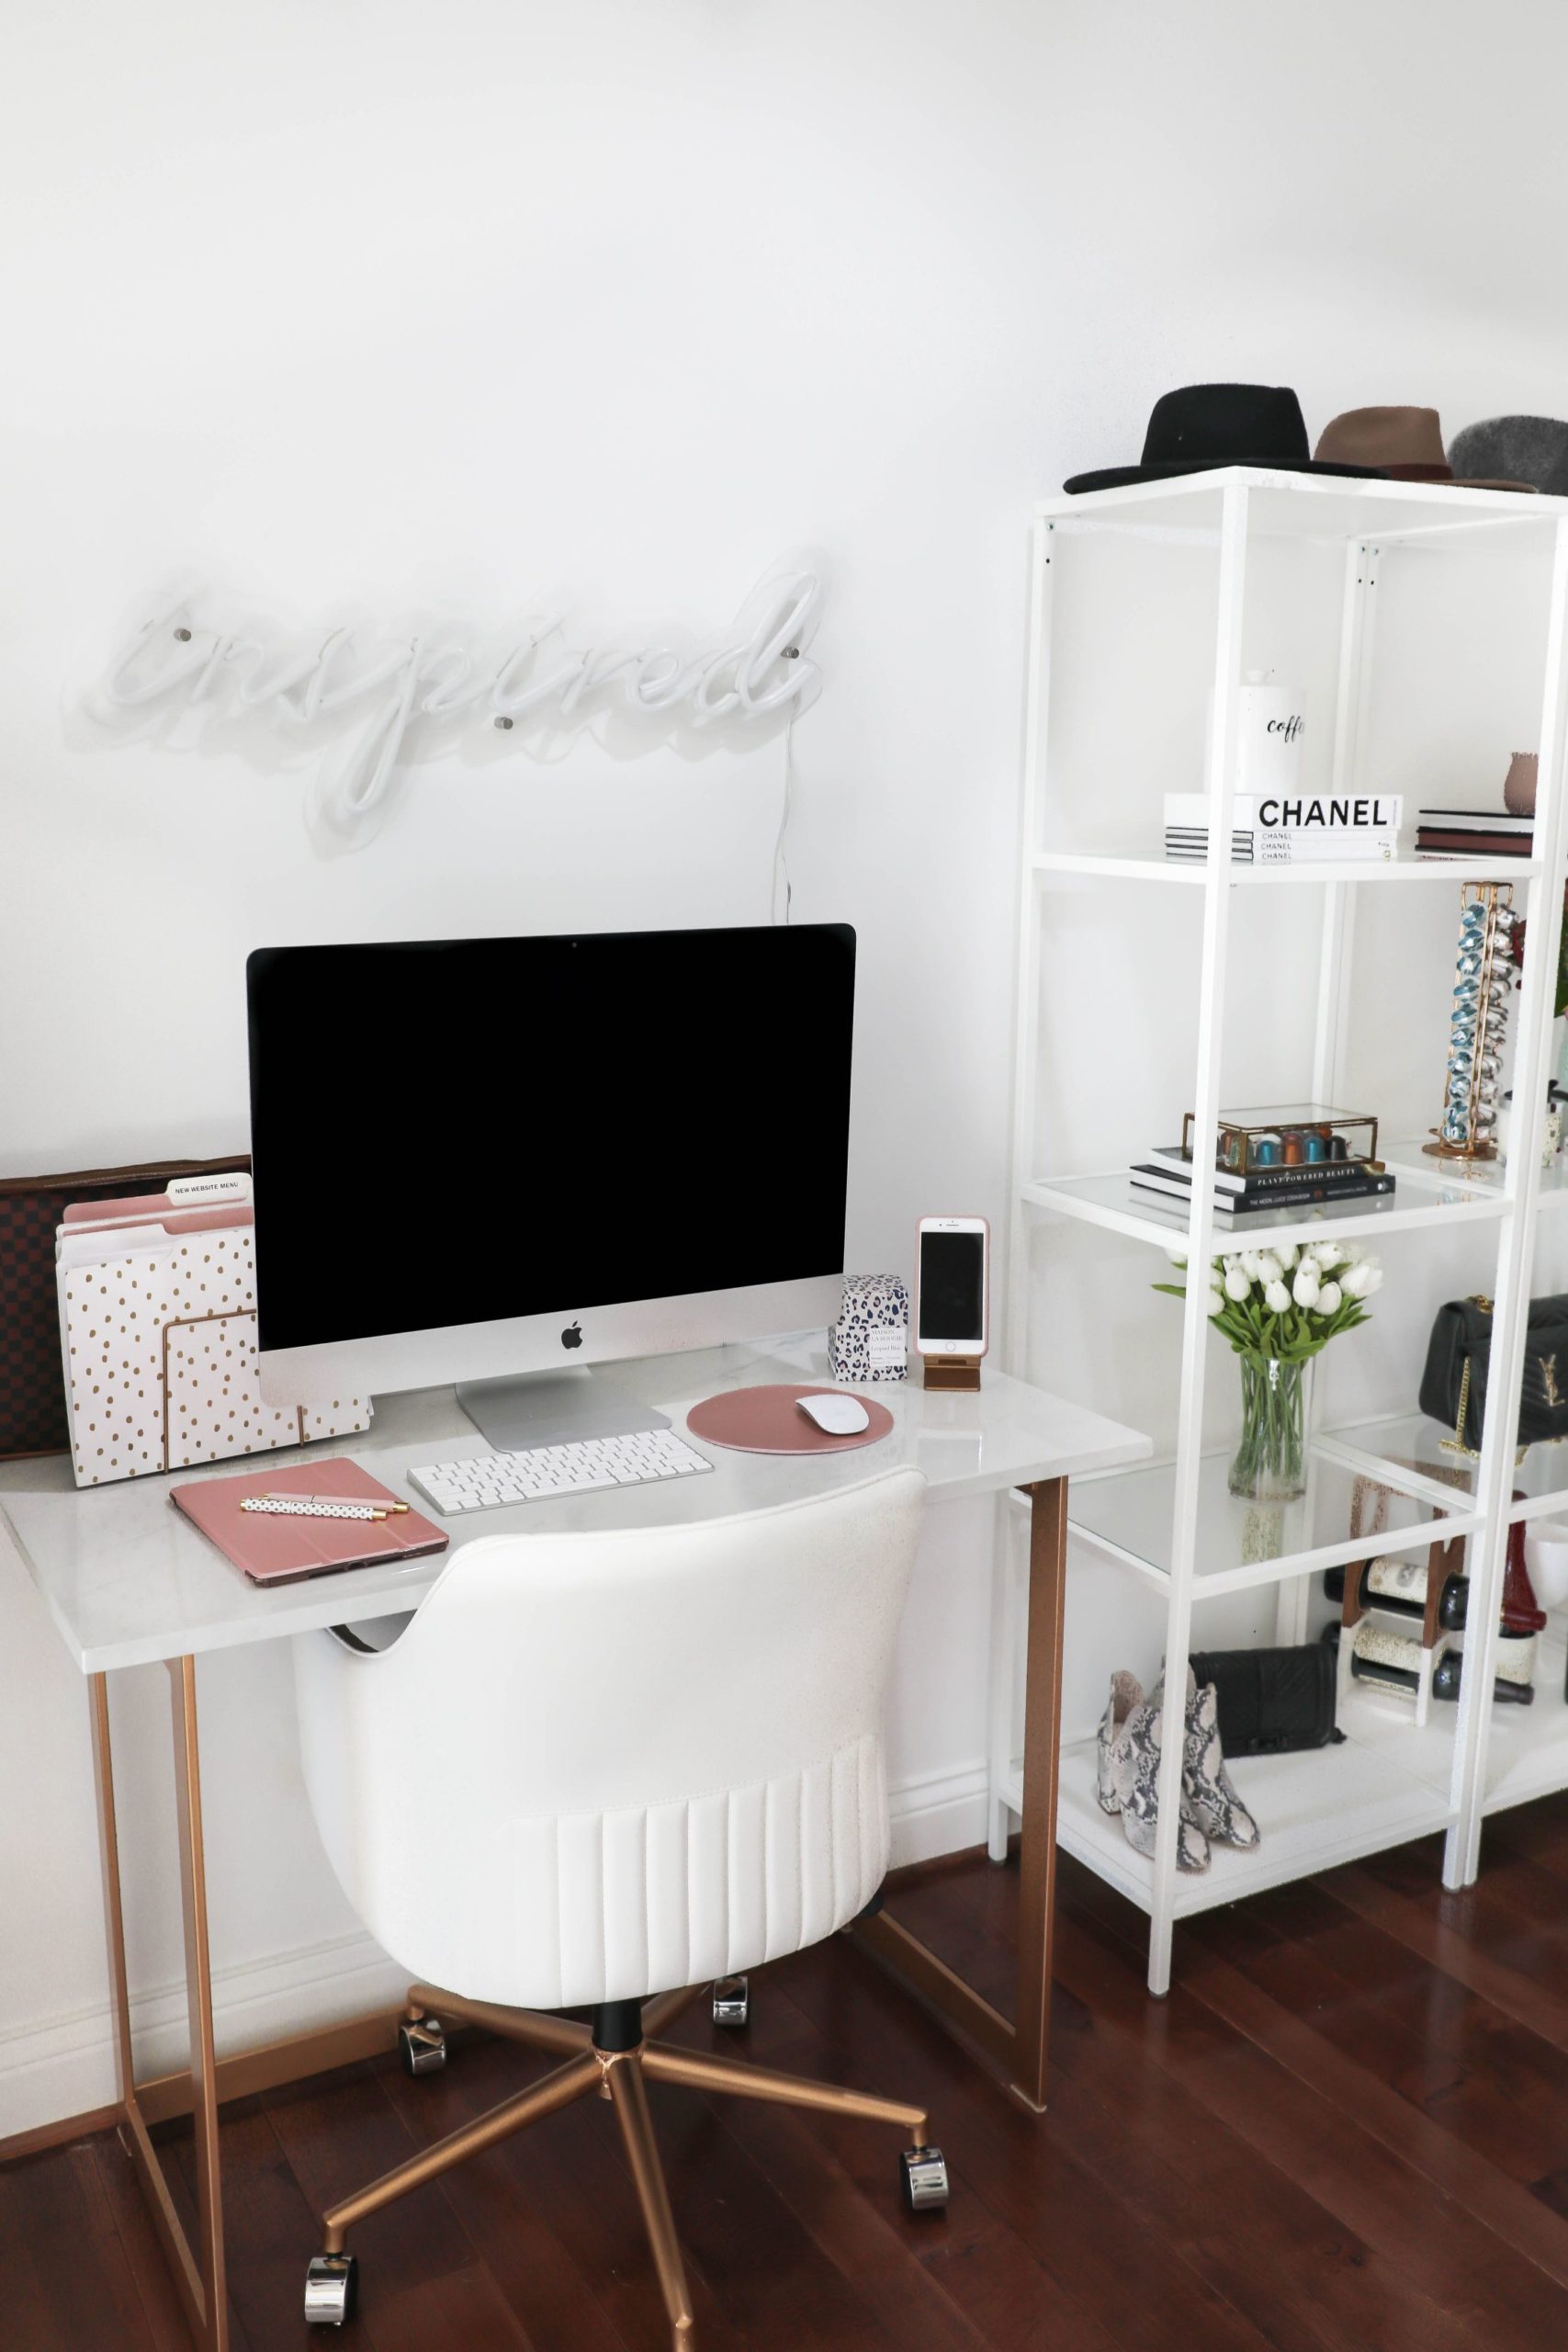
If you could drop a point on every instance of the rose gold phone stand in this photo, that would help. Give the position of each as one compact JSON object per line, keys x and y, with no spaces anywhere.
{"x":952,"y":1372}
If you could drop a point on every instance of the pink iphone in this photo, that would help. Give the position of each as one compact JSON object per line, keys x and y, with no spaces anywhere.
{"x":953,"y":1286}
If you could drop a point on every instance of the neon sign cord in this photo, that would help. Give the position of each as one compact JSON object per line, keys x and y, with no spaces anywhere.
{"x":781,"y":862}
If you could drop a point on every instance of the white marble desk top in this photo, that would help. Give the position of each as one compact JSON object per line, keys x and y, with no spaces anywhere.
{"x":128,"y":1579}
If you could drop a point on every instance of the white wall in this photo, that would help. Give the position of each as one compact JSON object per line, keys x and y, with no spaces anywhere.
{"x":383,"y":306}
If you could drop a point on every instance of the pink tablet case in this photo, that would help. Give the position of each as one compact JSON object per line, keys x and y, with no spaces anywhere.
{"x":768,"y":1420}
{"x":276,"y":1550}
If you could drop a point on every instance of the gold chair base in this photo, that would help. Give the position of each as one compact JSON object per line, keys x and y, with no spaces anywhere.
{"x":619,"y":2076}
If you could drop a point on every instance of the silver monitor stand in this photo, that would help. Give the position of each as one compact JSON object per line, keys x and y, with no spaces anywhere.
{"x":554,"y":1408}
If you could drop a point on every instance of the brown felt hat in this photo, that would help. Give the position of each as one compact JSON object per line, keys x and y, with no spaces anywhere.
{"x":1404,"y":442}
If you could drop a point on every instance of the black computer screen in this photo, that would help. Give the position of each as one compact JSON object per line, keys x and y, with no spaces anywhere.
{"x":953,"y":1280}
{"x":462,"y":1131}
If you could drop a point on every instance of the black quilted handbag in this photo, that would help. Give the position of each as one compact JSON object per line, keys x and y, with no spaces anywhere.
{"x":1271,"y":1701}
{"x":1454,"y":1386}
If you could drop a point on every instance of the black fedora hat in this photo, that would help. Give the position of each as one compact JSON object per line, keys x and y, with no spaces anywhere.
{"x":1204,"y":425}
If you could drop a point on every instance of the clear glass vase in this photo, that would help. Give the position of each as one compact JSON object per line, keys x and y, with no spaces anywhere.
{"x":1269,"y":1464}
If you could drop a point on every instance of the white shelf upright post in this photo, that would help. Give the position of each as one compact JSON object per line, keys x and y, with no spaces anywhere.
{"x":1007,"y":1597}
{"x":1026,"y":1019}
{"x":1200,"y":1222}
{"x":1352,"y":695}
{"x":1532,"y":1055}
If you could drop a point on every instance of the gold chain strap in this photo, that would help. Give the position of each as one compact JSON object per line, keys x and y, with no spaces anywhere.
{"x":1456,"y":1443}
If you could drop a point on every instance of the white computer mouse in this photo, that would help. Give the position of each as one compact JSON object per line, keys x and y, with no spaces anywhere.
{"x":837,"y":1415}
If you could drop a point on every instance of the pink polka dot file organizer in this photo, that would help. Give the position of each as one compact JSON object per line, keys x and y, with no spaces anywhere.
{"x":157,"y":1329}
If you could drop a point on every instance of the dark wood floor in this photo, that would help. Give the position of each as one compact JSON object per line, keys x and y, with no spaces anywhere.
{"x":1347,"y":2128}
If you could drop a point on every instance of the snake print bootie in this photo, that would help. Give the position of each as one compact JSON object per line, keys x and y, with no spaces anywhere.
{"x":1207,"y":1794}
{"x":1114,"y":1753}
{"x":1128,"y":1759}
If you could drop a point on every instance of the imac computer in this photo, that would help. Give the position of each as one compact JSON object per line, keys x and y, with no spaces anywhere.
{"x":490,"y":1161}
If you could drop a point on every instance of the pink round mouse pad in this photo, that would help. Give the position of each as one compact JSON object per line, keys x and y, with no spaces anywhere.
{"x":769,"y":1421}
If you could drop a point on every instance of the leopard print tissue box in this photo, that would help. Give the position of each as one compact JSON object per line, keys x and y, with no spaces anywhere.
{"x":870,"y":1341}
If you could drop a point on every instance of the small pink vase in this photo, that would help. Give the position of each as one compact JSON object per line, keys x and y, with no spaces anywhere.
{"x":1519,"y":787}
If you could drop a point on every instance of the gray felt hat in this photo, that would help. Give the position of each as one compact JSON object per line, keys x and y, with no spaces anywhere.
{"x":1525,"y":448}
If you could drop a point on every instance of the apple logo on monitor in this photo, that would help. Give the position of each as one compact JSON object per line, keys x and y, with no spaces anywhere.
{"x":572,"y":1336}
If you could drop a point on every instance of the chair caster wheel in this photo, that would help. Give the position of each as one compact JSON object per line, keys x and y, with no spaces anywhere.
{"x":422,"y":2046}
{"x":732,"y":2000}
{"x":924,"y":2175}
{"x":331,"y":2290}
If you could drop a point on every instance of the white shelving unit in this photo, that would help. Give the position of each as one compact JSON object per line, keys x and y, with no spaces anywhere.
{"x":1173,"y":1527}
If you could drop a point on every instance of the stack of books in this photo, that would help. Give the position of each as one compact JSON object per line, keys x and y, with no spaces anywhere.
{"x":1166,"y":1172}
{"x":1287,"y":828}
{"x":1472,"y":832}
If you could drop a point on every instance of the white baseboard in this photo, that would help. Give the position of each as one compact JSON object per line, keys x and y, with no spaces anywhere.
{"x":940,"y":1813}
{"x":56,"y":2066}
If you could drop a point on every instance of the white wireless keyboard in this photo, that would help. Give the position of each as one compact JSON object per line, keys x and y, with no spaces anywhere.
{"x":489,"y":1481}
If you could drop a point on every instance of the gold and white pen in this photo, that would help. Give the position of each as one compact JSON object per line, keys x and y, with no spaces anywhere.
{"x":384,"y":1503}
{"x":311,"y":1507}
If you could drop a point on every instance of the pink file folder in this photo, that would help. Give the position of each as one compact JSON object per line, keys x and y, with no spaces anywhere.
{"x":153,"y":1209}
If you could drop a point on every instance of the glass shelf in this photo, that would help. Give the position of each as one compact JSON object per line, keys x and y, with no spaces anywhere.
{"x":1129,"y":1516}
{"x":1426,"y":1195}
{"x":1274,"y":877}
{"x":1540,"y":1481}
{"x":1486,"y":1176}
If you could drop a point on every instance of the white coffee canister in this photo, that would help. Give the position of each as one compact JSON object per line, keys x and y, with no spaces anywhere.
{"x":1269,"y":725}
{"x":1546,"y":1558}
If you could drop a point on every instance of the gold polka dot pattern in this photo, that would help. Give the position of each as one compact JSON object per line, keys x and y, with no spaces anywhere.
{"x":162,"y":1364}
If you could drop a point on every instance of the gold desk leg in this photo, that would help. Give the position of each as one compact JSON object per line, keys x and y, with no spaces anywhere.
{"x":189,"y":2277}
{"x":1019,"y":2049}
{"x":114,"y":1915}
{"x":1041,"y":1767}
{"x":199,"y":1997}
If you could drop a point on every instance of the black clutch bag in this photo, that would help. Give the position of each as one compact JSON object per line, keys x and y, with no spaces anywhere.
{"x":1271,"y":1701}
{"x":1454,"y":1386}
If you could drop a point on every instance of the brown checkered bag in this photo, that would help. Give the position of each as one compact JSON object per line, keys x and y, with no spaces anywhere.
{"x":32,"y":1380}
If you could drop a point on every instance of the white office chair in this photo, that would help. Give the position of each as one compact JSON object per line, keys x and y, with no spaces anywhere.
{"x":602,"y":1767}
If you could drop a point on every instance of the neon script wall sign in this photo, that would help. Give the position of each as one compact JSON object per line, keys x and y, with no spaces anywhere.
{"x":186,"y":665}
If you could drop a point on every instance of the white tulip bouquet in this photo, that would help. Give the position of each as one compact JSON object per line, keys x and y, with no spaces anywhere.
{"x":1277,"y":1307}
{"x":1287,"y":1303}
